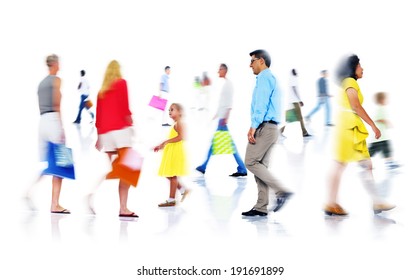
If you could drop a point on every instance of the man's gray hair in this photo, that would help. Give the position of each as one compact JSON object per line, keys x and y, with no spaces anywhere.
{"x":52,"y":58}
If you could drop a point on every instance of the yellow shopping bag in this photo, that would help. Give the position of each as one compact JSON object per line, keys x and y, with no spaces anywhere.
{"x":222,"y":143}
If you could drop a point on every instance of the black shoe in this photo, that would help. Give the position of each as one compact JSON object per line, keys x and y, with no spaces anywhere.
{"x":281,"y":199}
{"x":329,"y":124}
{"x":307,"y":135}
{"x":253,"y":212}
{"x":76,"y":122}
{"x":200,"y":170}
{"x":238,"y":174}
{"x":166,"y":124}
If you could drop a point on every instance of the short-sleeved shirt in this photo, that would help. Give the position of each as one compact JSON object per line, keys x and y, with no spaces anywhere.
{"x":84,"y":86}
{"x":164,"y":83}
{"x":293,"y":84}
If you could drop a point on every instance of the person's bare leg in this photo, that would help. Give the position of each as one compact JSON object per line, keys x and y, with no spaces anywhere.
{"x":123,"y":189}
{"x":368,"y":181}
{"x":332,"y":207}
{"x":173,"y":181}
{"x":56,"y":190}
{"x":334,"y":182}
{"x":91,"y":195}
{"x":27,"y":196}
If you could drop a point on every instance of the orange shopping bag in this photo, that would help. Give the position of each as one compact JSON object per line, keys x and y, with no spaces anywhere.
{"x":88,"y":104}
{"x":127,"y":166}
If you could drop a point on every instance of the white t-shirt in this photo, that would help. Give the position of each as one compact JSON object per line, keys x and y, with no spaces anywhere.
{"x":226,"y":99}
{"x":293,"y":98}
{"x":84,"y":88}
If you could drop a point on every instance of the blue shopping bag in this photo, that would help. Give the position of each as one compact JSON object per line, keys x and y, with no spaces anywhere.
{"x":60,"y":161}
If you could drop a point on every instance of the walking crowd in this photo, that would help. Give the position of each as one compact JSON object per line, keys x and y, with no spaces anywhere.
{"x":114,"y":125}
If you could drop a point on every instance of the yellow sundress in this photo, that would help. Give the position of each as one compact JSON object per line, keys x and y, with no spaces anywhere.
{"x":174,"y":158}
{"x":351,"y":132}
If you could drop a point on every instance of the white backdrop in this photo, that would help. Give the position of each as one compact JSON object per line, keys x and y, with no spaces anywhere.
{"x":192,"y":37}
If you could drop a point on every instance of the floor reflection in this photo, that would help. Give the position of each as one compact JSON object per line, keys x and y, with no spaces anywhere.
{"x":55,"y":226}
{"x":214,"y":207}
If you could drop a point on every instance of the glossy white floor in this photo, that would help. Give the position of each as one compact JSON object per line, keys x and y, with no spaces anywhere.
{"x":207,"y":229}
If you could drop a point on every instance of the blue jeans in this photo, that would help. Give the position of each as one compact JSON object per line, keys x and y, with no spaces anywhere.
{"x":322,"y":101}
{"x":241,"y":166}
{"x":81,"y":107}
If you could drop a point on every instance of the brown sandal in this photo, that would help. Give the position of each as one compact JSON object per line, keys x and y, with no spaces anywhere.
{"x":167,"y":204}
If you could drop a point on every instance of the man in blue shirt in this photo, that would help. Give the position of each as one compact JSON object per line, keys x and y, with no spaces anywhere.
{"x":164,"y":93}
{"x":263,"y":134}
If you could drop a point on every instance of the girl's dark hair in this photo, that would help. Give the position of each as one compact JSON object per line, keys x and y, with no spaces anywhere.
{"x":224,"y":66}
{"x":347,"y":68}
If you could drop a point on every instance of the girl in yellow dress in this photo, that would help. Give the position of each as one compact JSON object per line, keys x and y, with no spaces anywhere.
{"x":351,"y":135}
{"x":174,"y":158}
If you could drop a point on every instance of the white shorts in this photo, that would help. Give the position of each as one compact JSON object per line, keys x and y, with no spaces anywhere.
{"x":50,"y":130}
{"x":116,"y":139}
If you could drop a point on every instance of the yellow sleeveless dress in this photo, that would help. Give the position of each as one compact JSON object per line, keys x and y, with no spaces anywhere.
{"x":174,"y":158}
{"x":351,"y":132}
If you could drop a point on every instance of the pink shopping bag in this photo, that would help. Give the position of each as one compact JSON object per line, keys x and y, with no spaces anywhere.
{"x":158,"y":103}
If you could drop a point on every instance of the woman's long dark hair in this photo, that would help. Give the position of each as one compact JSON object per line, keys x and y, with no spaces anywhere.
{"x":347,"y":68}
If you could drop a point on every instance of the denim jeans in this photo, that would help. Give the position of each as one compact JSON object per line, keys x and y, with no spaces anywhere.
{"x":322,"y":101}
{"x":81,"y":107}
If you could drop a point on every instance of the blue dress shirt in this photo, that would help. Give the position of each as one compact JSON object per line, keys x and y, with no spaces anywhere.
{"x":265,"y":105}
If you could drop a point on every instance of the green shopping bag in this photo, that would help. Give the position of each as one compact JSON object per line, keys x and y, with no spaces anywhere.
{"x":222,"y":143}
{"x":291,"y":116}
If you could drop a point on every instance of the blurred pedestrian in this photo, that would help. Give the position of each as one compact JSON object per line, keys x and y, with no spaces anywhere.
{"x":323,"y":99}
{"x":195,"y":102}
{"x":350,"y":141}
{"x":50,"y":127}
{"x":295,"y":102}
{"x":383,"y":144}
{"x":83,"y":89}
{"x":164,"y":93}
{"x":263,"y":134}
{"x":223,"y":113}
{"x":205,"y":92}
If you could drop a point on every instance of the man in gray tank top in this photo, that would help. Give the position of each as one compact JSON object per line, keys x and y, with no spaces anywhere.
{"x":50,"y":126}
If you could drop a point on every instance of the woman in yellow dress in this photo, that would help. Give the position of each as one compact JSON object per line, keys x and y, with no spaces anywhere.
{"x":351,"y":134}
{"x":174,"y":158}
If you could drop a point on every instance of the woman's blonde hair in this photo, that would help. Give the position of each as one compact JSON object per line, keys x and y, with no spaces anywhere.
{"x":112,"y":73}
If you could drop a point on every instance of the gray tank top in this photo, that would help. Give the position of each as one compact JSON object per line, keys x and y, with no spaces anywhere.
{"x":45,"y":95}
